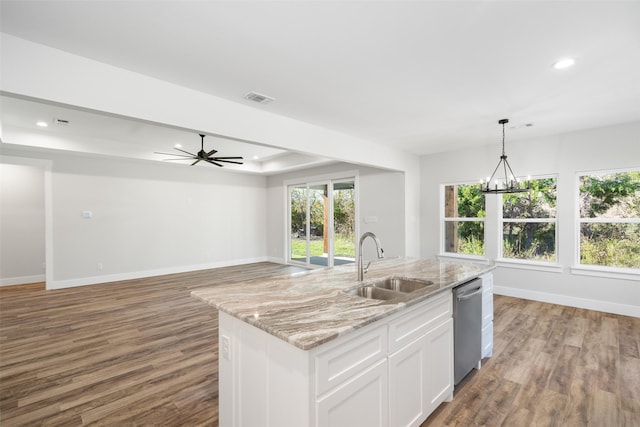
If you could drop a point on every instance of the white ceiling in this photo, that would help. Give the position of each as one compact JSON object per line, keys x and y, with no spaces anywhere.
{"x":421,"y":76}
{"x":104,"y":134}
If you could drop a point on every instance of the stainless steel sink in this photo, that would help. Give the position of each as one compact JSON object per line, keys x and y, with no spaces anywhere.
{"x":373,"y":292}
{"x":390,"y":288}
{"x":401,"y":284}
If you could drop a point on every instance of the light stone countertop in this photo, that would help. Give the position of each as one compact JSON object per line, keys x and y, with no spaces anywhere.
{"x":310,"y":308}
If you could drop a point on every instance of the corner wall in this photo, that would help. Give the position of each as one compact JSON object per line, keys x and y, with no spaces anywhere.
{"x":22,"y":220}
{"x":614,"y":147}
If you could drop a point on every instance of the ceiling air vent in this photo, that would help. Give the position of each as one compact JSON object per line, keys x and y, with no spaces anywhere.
{"x":62,"y":122}
{"x":258,"y":97}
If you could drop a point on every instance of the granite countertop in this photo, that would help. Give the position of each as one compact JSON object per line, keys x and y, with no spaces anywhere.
{"x":310,"y":308}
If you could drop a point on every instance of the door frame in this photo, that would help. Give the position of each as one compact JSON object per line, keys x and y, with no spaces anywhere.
{"x":309,"y":181}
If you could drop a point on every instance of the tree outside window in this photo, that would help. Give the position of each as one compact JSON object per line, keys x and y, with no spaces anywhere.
{"x":464,"y":215}
{"x":610,"y":219}
{"x":529,"y":222}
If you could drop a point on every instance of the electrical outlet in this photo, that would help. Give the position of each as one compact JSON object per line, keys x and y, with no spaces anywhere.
{"x":226,"y":347}
{"x":100,"y":266}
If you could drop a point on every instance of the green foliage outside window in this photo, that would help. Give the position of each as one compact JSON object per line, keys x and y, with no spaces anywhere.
{"x":464,"y":237}
{"x":610,"y":215}
{"x":531,"y":233}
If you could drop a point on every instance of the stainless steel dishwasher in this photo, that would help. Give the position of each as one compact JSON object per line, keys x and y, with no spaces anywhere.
{"x":467,"y":328}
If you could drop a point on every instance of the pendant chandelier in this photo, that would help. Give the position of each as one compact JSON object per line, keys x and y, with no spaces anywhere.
{"x":508,"y":183}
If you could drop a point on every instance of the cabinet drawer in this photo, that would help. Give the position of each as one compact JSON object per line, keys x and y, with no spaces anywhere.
{"x":347,"y":358}
{"x":419,"y":320}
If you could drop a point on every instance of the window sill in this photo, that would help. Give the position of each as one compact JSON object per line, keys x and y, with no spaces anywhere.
{"x":610,"y":272}
{"x":462,"y":257}
{"x":529,"y":265}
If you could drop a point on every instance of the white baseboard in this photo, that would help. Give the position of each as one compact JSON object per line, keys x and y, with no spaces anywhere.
{"x":605,"y":306}
{"x":276,"y":260}
{"x":10,"y":281}
{"x":94,"y":280}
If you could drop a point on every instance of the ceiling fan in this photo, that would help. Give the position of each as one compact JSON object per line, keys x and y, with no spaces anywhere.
{"x":202,"y":156}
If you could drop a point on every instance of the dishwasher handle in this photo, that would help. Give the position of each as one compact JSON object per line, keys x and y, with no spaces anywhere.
{"x":466,"y":296}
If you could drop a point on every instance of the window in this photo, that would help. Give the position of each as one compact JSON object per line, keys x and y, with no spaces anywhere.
{"x":609,"y":224}
{"x":529,"y":222}
{"x":464,"y":215}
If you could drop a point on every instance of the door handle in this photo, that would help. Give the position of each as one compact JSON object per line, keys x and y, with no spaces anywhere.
{"x":467,"y":296}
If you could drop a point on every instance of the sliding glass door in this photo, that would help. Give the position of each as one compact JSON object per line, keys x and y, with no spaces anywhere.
{"x":322,"y":223}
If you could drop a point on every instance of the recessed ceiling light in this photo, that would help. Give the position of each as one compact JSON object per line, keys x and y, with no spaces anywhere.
{"x":42,"y":124}
{"x":256,"y":157}
{"x":177,"y":146}
{"x":564,"y":63}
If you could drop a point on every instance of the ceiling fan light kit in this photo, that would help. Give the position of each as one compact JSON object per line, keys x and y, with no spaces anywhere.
{"x":202,"y":156}
{"x":509,"y":183}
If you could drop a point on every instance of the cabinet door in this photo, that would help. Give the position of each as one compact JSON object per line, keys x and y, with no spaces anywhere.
{"x":439,"y":347}
{"x":407,"y":384}
{"x":487,"y":299}
{"x":360,"y":402}
{"x":487,"y":315}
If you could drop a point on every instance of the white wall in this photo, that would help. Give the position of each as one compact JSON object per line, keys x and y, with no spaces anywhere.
{"x":22,"y":219}
{"x":38,"y":71}
{"x":596,"y":149}
{"x":148,"y":218}
{"x":380,"y":194}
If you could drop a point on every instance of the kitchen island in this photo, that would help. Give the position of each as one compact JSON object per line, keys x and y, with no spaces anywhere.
{"x":303,"y":350}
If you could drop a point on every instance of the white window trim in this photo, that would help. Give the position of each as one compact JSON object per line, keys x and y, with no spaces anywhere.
{"x":526,"y":264}
{"x":551,"y":267}
{"x":625,"y":273}
{"x":609,"y":272}
{"x":453,"y":255}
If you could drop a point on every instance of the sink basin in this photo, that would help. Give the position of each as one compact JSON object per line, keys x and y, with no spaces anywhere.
{"x":373,"y":292}
{"x":400,"y":284}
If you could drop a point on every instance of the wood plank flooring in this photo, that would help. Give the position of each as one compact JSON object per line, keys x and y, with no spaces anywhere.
{"x":140,"y":352}
{"x":552,"y":365}
{"x":144,"y":352}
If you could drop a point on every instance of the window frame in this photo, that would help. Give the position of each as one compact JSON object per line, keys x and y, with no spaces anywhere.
{"x":443,"y":220}
{"x":628,"y":273}
{"x":535,"y":264}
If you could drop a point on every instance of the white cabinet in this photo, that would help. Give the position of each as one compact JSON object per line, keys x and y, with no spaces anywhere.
{"x":392,"y":372}
{"x":421,"y":372}
{"x":408,"y":384}
{"x":487,"y":315}
{"x":362,"y":401}
{"x":440,"y":365}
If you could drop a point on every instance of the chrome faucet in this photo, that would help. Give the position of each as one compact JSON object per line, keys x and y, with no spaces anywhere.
{"x":362,"y":270}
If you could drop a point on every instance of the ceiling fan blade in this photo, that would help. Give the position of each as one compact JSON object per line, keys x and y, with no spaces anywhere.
{"x":211,"y":153}
{"x":172,"y":154}
{"x":218,"y":159}
{"x":228,"y":158}
{"x":196,"y":162}
{"x":186,"y":152}
{"x":213,"y":163}
{"x":175,"y":160}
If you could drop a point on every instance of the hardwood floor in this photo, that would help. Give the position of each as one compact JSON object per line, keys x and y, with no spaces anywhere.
{"x":144,"y":352}
{"x":140,"y":352}
{"x":552,"y":365}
